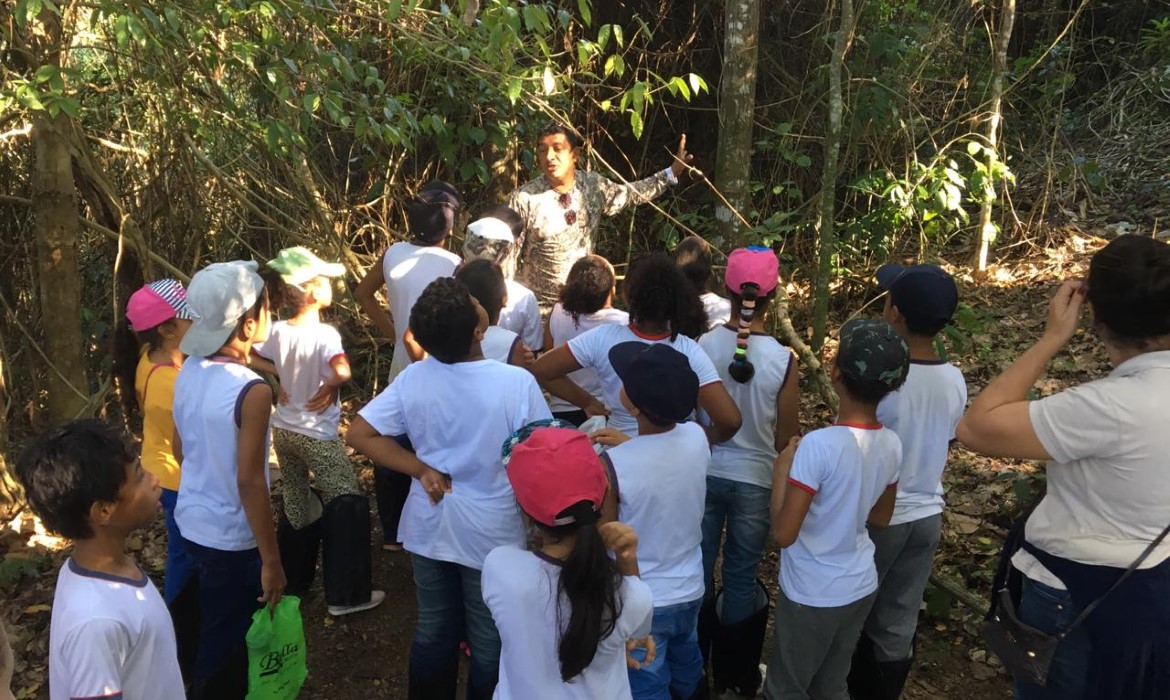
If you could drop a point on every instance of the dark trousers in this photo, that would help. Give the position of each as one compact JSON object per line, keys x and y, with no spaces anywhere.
{"x":390,"y":491}
{"x":229,"y":586}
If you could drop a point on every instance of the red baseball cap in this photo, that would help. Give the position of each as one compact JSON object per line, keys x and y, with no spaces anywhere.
{"x":553,"y":470}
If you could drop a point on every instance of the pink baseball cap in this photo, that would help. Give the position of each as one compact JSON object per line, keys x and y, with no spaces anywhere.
{"x":752,"y":265}
{"x":157,"y":303}
{"x":553,"y":470}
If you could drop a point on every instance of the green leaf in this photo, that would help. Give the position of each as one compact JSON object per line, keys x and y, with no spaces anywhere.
{"x":803,"y":161}
{"x":310,"y":102}
{"x":602,"y":35}
{"x":292,"y":66}
{"x":619,"y":36}
{"x":973,"y":148}
{"x":636,"y":124}
{"x":586,"y":11}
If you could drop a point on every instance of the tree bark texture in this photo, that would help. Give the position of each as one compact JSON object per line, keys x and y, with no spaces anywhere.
{"x":826,"y":234}
{"x":987,"y":230}
{"x":57,"y":232}
{"x":737,"y":104}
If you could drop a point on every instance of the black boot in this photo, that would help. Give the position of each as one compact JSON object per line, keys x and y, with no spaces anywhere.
{"x":708,"y":622}
{"x":298,"y":553}
{"x":347,"y":564}
{"x":894,"y":674}
{"x":865,"y":675}
{"x":736,"y":650}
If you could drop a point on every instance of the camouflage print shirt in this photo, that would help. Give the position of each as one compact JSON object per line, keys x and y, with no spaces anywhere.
{"x":556,"y":235}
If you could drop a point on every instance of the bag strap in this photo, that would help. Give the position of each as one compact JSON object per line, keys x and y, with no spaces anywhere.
{"x":1132,"y":567}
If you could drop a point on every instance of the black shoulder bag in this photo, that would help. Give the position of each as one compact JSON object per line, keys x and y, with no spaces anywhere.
{"x":1027,"y":652}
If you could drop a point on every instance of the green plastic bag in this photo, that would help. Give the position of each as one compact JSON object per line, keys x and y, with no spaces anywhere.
{"x":276,"y":652}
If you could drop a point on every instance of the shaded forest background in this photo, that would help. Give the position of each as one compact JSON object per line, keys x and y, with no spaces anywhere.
{"x":145,"y":139}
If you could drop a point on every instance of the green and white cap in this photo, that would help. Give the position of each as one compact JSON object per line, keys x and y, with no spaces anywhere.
{"x":298,"y":265}
{"x":871,"y":350}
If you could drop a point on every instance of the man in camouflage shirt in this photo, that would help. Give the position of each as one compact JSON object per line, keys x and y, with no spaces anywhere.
{"x":562,"y":209}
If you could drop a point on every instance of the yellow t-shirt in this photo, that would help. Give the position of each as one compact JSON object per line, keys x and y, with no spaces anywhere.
{"x":155,"y":386}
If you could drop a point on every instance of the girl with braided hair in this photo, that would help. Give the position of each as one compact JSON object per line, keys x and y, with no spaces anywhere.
{"x":760,"y":374}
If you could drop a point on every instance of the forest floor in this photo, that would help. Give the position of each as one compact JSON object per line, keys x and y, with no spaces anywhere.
{"x":365,"y":656}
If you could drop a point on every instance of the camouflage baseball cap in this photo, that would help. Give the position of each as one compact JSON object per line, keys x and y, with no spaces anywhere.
{"x":870,"y":350}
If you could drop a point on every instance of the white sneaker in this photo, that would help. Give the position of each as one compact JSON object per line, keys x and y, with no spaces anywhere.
{"x":376,"y":598}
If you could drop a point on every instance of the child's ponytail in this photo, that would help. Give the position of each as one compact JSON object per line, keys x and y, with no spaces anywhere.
{"x":741,"y":369}
{"x":126,"y":350}
{"x":590,"y":581}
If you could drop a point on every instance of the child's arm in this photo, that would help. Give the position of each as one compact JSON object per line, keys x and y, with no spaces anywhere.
{"x":177,"y":447}
{"x":548,"y":339}
{"x":721,"y":409}
{"x":521,"y":355}
{"x":327,"y":394}
{"x":262,"y":364}
{"x":252,"y":462}
{"x":366,"y":295}
{"x":621,"y":539}
{"x":788,"y":407}
{"x":550,"y":370}
{"x":413,"y":350}
{"x":386,"y":452}
{"x":789,"y":505}
{"x":883,"y":510}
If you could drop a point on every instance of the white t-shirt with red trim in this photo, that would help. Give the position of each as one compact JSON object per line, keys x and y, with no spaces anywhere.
{"x":302,"y":355}
{"x":563,"y":328}
{"x":845,"y":468}
{"x":111,"y":638}
{"x":591,"y":349}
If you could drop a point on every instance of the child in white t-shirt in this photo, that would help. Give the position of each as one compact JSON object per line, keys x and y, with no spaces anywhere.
{"x":457,"y":409}
{"x":693,"y":256}
{"x":920,"y":302}
{"x":824,"y":493}
{"x":224,"y":509}
{"x":111,"y":634}
{"x":406,"y":268}
{"x":310,"y":361}
{"x":485,"y":280}
{"x":565,"y":610}
{"x":658,"y":487}
{"x":657,"y":296}
{"x":493,"y":236}
{"x":586,"y":301}
{"x":760,"y":374}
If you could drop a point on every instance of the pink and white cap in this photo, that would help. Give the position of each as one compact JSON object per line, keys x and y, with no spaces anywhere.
{"x":752,"y":265}
{"x":157,"y":303}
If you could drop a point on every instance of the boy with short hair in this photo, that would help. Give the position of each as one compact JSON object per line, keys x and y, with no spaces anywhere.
{"x":485,"y":280}
{"x":307,"y":355}
{"x":920,"y":302}
{"x":457,"y":409}
{"x":111,"y":635}
{"x":824,"y":492}
{"x":493,"y":236}
{"x":659,"y":488}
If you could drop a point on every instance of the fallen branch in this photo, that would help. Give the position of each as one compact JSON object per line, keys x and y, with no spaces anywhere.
{"x":959,"y":591}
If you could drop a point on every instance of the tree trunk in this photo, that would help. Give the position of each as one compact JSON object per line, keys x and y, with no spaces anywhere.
{"x":826,"y":234}
{"x":987,"y":229}
{"x":737,"y":104}
{"x":10,"y":494}
{"x":57,"y":231}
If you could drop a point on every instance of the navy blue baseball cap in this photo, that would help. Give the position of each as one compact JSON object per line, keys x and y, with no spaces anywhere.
{"x":925,"y":295}
{"x":658,"y":380}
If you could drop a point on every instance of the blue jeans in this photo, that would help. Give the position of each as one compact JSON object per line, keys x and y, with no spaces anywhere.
{"x":1052,"y":610}
{"x":678,"y":664}
{"x":745,"y":510}
{"x":451,"y":609}
{"x":180,"y":567}
{"x":229,"y":586}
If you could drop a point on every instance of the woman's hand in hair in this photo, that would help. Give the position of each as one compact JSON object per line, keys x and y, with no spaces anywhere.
{"x":1064,"y":311}
{"x":648,"y":645}
{"x":610,"y":437}
{"x":620,"y":539}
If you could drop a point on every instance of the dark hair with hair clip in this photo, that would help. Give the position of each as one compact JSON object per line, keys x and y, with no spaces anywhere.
{"x":589,"y":582}
{"x":1129,"y":288}
{"x":657,"y":291}
{"x":693,"y":256}
{"x":485,"y":280}
{"x":70,"y":467}
{"x":554,"y":128}
{"x":444,"y":319}
{"x":587,"y":288}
